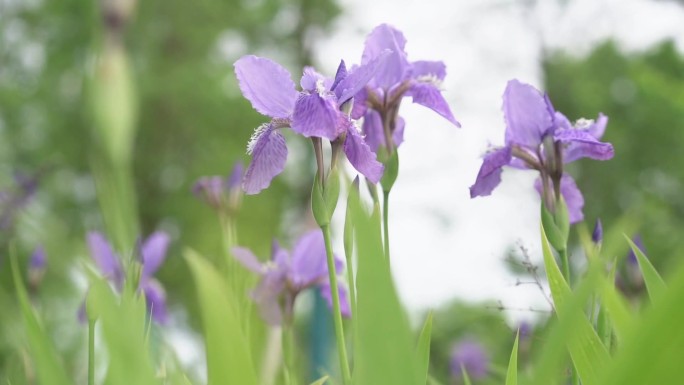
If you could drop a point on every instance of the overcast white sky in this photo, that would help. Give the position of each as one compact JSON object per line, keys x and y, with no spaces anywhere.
{"x":443,"y":243}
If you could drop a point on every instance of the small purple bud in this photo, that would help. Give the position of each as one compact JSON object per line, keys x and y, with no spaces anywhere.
{"x":235,"y":177}
{"x":597,"y":234}
{"x":470,"y":355}
{"x":211,"y":189}
{"x":631,"y":257}
{"x":37,"y":265}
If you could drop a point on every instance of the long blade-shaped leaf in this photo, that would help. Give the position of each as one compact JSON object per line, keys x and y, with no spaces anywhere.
{"x":228,"y":356}
{"x":587,"y":351}
{"x":385,"y":353}
{"x":45,"y":359}
{"x":423,"y":350}
{"x":512,"y":373}
{"x":654,"y":284}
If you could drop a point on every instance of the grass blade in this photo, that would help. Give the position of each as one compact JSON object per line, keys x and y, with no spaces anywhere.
{"x":654,"y":283}
{"x":423,"y":350}
{"x":512,"y":373}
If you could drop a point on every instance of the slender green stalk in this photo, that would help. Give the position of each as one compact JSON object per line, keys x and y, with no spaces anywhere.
{"x":337,"y":313}
{"x":565,"y":265}
{"x":288,"y":353}
{"x":385,"y":225}
{"x":348,"y":252}
{"x":91,"y":351}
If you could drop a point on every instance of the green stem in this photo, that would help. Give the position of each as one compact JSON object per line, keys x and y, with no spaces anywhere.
{"x":348,"y":252}
{"x":565,"y":265}
{"x":385,"y":220}
{"x":288,"y":352}
{"x":91,"y":351}
{"x":337,"y":313}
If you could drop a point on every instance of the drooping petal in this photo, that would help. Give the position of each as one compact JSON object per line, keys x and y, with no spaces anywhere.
{"x":489,"y":175}
{"x":580,"y":143}
{"x":309,"y":262}
{"x":361,"y":157}
{"x":573,"y":198}
{"x":527,"y":115}
{"x":269,"y":154}
{"x":359,"y":77}
{"x":247,"y":259}
{"x":267,"y":85}
{"x":428,"y":95}
{"x":316,"y":115}
{"x":395,"y":69}
{"x":425,"y":69}
{"x":105,"y":258}
{"x":155,"y":298}
{"x":326,"y":293}
{"x":153,"y":252}
{"x":266,"y":295}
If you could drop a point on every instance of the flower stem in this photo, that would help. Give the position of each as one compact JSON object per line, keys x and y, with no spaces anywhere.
{"x":91,"y":351}
{"x":565,"y":264}
{"x":337,"y":313}
{"x":385,"y":220}
{"x":288,"y":352}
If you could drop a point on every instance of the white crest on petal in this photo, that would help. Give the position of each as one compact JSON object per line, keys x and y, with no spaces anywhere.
{"x":255,"y":137}
{"x":583,"y":123}
{"x":431,"y":79}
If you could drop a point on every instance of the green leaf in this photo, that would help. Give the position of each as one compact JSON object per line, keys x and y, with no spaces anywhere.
{"x":588,"y":353}
{"x":466,"y":378}
{"x":122,"y":320}
{"x":320,"y":381}
{"x":423,"y":350}
{"x":228,"y":355}
{"x":614,"y":303}
{"x":555,"y":235}
{"x":47,"y":365}
{"x":652,"y":352}
{"x":512,"y":373}
{"x":385,"y":352}
{"x":654,"y":283}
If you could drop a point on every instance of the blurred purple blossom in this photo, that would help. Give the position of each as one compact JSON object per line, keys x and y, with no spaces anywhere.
{"x":152,"y":255}
{"x":540,"y":138}
{"x":37,"y":266}
{"x":597,"y":234}
{"x":378,"y":103}
{"x":221,"y":192}
{"x":471,"y":355}
{"x":288,"y":274}
{"x":17,"y":197}
{"x":315,"y":111}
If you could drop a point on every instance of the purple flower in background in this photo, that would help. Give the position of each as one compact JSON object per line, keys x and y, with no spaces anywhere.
{"x":152,"y":254}
{"x":288,"y":274}
{"x":397,"y":78}
{"x":597,"y":234}
{"x":471,"y":356}
{"x":17,"y":197}
{"x":631,"y":257}
{"x":313,"y":112}
{"x":37,"y":266}
{"x":540,"y":138}
{"x":221,"y":192}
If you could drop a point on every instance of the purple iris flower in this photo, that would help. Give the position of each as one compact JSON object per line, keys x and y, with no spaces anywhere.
{"x":37,"y":266}
{"x":540,"y":138}
{"x":313,"y":112}
{"x":219,"y":191}
{"x":470,"y":355}
{"x":152,"y":254}
{"x":396,"y":78}
{"x":288,"y":274}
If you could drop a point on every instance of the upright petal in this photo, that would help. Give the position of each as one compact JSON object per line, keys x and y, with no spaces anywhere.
{"x":155,"y":297}
{"x":269,"y":154}
{"x":316,"y":115}
{"x":309,"y":261}
{"x":527,"y":114}
{"x":267,"y":85}
{"x":373,"y":130}
{"x":395,"y":69}
{"x":340,"y":75}
{"x":490,"y":172}
{"x":326,"y":292}
{"x":428,"y":95}
{"x":105,"y":258}
{"x":424,"y":69}
{"x":359,"y":77}
{"x":248,"y":259}
{"x":153,"y":252}
{"x":573,"y":198}
{"x":360,"y":107}
{"x":598,"y":127}
{"x":580,"y":143}
{"x":360,"y":155}
{"x":312,"y":81}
